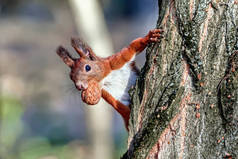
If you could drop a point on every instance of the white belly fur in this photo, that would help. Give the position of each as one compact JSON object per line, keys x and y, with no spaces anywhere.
{"x":118,"y":83}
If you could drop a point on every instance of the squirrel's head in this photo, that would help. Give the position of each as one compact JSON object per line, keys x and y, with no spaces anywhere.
{"x":84,"y":69}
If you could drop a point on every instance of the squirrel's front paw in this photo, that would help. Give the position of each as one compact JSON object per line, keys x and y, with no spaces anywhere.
{"x":155,"y":35}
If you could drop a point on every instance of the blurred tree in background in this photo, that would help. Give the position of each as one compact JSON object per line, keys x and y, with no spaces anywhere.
{"x":41,"y":115}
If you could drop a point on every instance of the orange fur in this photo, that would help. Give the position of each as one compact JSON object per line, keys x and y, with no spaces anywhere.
{"x":138,"y":45}
{"x":123,"y":110}
{"x":90,"y":67}
{"x":126,"y":54}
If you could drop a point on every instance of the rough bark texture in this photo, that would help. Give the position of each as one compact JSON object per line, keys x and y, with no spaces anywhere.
{"x":185,"y":102}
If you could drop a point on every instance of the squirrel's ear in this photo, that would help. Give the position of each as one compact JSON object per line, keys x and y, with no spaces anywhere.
{"x":83,"y":49}
{"x":65,"y":56}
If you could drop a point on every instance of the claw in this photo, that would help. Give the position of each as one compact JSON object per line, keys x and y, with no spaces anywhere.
{"x":157,"y":31}
{"x":155,"y":35}
{"x":158,"y":35}
{"x":154,"y":39}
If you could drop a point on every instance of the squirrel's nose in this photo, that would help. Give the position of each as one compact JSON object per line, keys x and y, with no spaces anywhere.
{"x":81,"y":85}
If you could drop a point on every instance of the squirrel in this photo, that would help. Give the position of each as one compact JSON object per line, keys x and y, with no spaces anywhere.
{"x":109,"y":78}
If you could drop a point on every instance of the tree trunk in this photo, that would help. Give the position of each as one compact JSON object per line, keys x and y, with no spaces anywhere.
{"x":185,"y":102}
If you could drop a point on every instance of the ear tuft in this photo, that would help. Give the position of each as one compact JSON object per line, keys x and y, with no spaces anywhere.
{"x":65,"y":56}
{"x":83,"y":49}
{"x":79,"y":47}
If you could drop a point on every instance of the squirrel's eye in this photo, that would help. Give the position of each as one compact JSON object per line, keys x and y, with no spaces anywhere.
{"x":87,"y":68}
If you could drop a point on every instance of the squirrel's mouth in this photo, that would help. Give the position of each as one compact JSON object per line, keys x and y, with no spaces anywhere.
{"x":81,"y":86}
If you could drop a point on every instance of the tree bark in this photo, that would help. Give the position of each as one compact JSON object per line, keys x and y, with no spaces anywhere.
{"x":185,"y":102}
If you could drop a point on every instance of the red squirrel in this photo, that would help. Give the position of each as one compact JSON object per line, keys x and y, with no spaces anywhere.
{"x":109,"y":78}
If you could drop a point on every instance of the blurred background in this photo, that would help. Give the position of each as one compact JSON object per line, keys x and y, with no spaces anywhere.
{"x":41,"y":113}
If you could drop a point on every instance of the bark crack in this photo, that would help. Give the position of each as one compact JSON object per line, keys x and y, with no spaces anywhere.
{"x":231,"y":67}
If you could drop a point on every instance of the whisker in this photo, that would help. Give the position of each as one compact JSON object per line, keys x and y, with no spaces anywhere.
{"x":71,"y":89}
{"x":73,"y":96}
